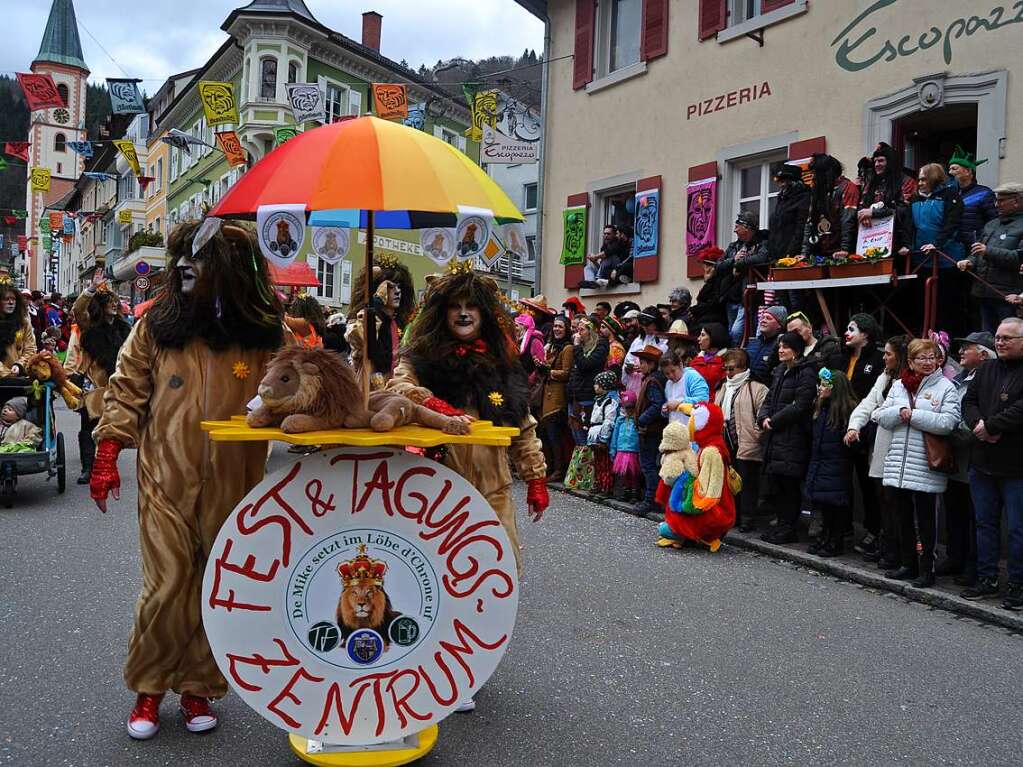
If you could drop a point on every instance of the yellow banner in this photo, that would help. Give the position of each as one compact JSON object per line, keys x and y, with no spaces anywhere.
{"x":484,"y":112}
{"x":218,"y":103}
{"x":40,"y":179}
{"x":124,"y":216}
{"x":127,"y":148}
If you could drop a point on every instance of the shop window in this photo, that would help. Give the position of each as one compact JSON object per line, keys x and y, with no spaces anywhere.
{"x":529,"y":197}
{"x":754,"y":188}
{"x":325,"y":274}
{"x":268,"y":78}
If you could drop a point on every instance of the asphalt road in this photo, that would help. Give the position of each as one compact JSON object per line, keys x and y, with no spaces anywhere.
{"x":624,"y":654}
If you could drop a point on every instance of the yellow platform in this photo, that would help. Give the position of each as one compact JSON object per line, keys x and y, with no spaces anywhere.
{"x":481,"y":433}
{"x":427,"y":740}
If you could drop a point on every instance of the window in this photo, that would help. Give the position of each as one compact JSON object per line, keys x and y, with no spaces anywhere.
{"x":63,"y":91}
{"x":60,"y":143}
{"x":754,"y":189}
{"x":335,"y":102}
{"x":736,"y":18}
{"x":619,"y":25}
{"x":616,"y":208}
{"x":268,"y":79}
{"x":529,"y":197}
{"x":156,"y":225}
{"x":325,"y":274}
{"x":174,"y":162}
{"x":159,"y":174}
{"x":742,"y":10}
{"x":60,"y":168}
{"x":531,"y":247}
{"x":293,"y":68}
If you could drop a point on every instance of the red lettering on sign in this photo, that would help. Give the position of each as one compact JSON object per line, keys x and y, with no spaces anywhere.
{"x":439,"y":660}
{"x":728,"y":100}
{"x":401,"y":706}
{"x":463,"y":648}
{"x":248,"y":570}
{"x":356,"y":460}
{"x":278,"y":519}
{"x":746,"y":94}
{"x":379,"y":482}
{"x":732,"y":98}
{"x":320,"y":507}
{"x":287,"y":694}
{"x":765,"y":89}
{"x":264,"y":664}
{"x":336,"y":702}
{"x":424,"y":502}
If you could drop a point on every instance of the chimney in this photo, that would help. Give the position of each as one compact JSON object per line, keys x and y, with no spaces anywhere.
{"x":371,"y":24}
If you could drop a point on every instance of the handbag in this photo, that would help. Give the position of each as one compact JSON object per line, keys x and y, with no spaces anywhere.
{"x":941,"y":456}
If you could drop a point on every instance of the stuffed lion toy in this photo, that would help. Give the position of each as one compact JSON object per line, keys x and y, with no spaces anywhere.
{"x":315,"y":389}
{"x":45,"y":367}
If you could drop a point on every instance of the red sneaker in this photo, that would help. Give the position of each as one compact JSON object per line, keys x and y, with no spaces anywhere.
{"x":199,"y":717}
{"x":144,"y":721}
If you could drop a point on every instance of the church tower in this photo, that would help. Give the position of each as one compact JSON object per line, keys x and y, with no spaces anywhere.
{"x":60,"y":56}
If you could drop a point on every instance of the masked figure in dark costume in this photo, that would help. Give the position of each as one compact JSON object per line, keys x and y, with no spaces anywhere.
{"x":831,"y":227}
{"x":391,"y":305}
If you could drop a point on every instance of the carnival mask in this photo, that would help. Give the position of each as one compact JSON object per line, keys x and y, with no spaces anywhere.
{"x":855,"y":337}
{"x":190,"y":270}
{"x":464,"y":321}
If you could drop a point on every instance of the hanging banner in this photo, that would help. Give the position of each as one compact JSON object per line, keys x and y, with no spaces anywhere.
{"x":218,"y":103}
{"x":97,"y":176}
{"x":17,"y":149}
{"x":3,"y":164}
{"x":47,"y":243}
{"x":181,"y":140}
{"x":484,"y":112}
{"x":40,"y":179}
{"x":472,"y":235}
{"x":20,"y":213}
{"x":306,"y":101}
{"x":14,"y":250}
{"x":281,"y":232}
{"x":56,"y":221}
{"x":330,"y":244}
{"x":381,"y":528}
{"x":10,"y":221}
{"x":701,"y":215}
{"x":144,"y":182}
{"x":416,"y":116}
{"x":232,"y":148}
{"x":69,"y":225}
{"x":22,"y":242}
{"x":390,"y":101}
{"x":573,"y":243}
{"x":512,"y":238}
{"x":647,"y":223}
{"x":40,"y":91}
{"x":438,"y":244}
{"x":44,"y":226}
{"x":127,"y":148}
{"x":499,"y":149}
{"x":124,"y":216}
{"x":284,"y":134}
{"x":84,"y":148}
{"x":125,"y":98}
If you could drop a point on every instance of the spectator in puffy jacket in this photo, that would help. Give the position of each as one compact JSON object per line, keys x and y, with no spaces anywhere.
{"x":623,"y":448}
{"x":785,"y":417}
{"x":602,"y":422}
{"x":763,"y":347}
{"x":740,"y":400}
{"x":651,"y":422}
{"x":978,"y":200}
{"x":996,"y":258}
{"x":712,"y":342}
{"x":921,"y":401}
{"x":589,"y":353}
{"x":748,"y":250}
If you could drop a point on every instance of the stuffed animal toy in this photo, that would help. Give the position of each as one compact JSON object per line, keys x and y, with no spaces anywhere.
{"x":315,"y":389}
{"x":704,"y":510}
{"x":45,"y":367}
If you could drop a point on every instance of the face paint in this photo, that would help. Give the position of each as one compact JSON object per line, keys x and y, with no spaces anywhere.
{"x":464,"y":321}
{"x":190,"y":270}
{"x":855,"y":337}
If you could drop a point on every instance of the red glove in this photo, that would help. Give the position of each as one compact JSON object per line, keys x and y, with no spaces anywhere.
{"x":105,"y":479}
{"x":440,"y":406}
{"x":537,"y":498}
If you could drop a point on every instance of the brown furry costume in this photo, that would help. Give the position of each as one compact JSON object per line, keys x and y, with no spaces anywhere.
{"x":386,"y":328}
{"x":191,"y":358}
{"x":466,"y":377}
{"x":17,"y":339}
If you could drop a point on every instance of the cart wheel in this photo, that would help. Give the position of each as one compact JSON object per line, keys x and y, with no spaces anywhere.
{"x":61,"y":465}
{"x":7,"y":492}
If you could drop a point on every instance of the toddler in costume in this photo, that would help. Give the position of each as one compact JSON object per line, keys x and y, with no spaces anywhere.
{"x":14,"y":429}
{"x":623,"y":449}
{"x":602,"y":423}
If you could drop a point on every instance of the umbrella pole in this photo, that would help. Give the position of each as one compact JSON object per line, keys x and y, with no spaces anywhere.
{"x":369,"y":323}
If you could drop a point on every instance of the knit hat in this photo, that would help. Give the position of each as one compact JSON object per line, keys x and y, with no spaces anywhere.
{"x":614,"y":326}
{"x":794,"y":341}
{"x":19,"y":405}
{"x":576,"y":304}
{"x":608,"y":380}
{"x":780,"y":313}
{"x":748,"y":219}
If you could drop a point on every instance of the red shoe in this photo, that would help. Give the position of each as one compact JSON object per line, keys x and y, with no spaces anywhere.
{"x":144,"y":721}
{"x":199,"y":717}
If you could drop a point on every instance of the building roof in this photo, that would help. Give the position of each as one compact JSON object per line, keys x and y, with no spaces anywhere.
{"x":274,"y":7}
{"x":61,"y":44}
{"x":536,"y":7}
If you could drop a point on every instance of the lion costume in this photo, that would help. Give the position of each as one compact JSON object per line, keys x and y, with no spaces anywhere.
{"x":192,"y":357}
{"x":388,"y":324}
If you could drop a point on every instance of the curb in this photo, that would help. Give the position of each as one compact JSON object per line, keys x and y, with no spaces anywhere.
{"x":985,"y":612}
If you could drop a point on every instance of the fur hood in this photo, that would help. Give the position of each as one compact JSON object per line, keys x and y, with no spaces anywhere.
{"x":104,"y":340}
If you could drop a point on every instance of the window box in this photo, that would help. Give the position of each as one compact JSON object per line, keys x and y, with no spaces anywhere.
{"x":796,"y":273}
{"x":862,"y":269}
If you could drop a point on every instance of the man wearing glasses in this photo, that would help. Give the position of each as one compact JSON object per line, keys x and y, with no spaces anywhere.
{"x":993,"y":410}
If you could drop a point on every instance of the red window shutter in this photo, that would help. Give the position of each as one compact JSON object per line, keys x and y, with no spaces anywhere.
{"x":773,"y":5}
{"x":655,"y":29}
{"x":582,"y":69}
{"x":694,"y":268}
{"x":575,"y":274}
{"x":647,"y":269}
{"x":713,"y":17}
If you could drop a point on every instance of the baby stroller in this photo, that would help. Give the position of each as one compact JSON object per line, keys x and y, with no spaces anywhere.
{"x":50,"y":455}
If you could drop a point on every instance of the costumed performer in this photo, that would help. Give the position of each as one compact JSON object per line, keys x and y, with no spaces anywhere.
{"x":198,"y":354}
{"x":17,"y":338}
{"x":391,"y":304}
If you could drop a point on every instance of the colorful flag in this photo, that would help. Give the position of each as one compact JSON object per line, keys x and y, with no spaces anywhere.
{"x":84,"y":148}
{"x":56,"y":221}
{"x":40,"y":91}
{"x":69,"y":225}
{"x":22,"y":242}
{"x":181,"y":140}
{"x":232,"y":148}
{"x":416,"y":116}
{"x":145,"y":181}
{"x":701,"y":216}
{"x":285,"y":133}
{"x":573,"y":244}
{"x":17,"y":149}
{"x":647,"y":226}
{"x":40,"y":179}
{"x":44,"y":226}
{"x":484,"y":112}
{"x":306,"y":102}
{"x":125,"y":98}
{"x":20,"y":213}
{"x":98,"y":176}
{"x":3,"y":164}
{"x":390,"y":101}
{"x":10,"y":221}
{"x":124,"y":216}
{"x":47,"y":243}
{"x":127,"y":148}
{"x":218,"y":103}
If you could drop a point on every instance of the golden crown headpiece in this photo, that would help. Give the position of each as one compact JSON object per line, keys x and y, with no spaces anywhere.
{"x":363,"y":570}
{"x":386,"y":262}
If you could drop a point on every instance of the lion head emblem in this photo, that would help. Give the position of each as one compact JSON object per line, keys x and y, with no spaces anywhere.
{"x":284,"y":241}
{"x":364,"y":603}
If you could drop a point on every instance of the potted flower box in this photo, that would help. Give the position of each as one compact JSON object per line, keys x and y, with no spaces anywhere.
{"x":799,"y":272}
{"x":873,"y":268}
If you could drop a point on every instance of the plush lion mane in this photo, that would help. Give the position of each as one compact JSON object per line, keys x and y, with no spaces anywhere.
{"x":380,"y":617}
{"x":396,"y":272}
{"x":326,"y":394}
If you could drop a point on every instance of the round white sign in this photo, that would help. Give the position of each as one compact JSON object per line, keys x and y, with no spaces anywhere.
{"x":359,"y":594}
{"x":438,"y":244}
{"x":331,"y":243}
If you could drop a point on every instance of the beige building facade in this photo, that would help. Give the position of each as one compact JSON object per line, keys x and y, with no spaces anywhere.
{"x":656,"y":94}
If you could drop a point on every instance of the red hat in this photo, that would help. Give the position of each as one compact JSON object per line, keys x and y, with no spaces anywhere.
{"x":576,"y":304}
{"x":711,"y":255}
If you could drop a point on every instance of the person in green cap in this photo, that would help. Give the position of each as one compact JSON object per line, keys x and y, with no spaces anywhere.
{"x":978,"y":200}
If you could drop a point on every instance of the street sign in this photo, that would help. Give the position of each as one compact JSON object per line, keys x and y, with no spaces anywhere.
{"x":142,"y":283}
{"x":378,"y":582}
{"x":143,"y":268}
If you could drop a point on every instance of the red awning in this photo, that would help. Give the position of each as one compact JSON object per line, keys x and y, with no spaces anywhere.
{"x":298,"y":274}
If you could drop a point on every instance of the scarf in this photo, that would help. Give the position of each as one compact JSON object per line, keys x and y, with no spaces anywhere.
{"x":732,"y":386}
{"x":911,"y":380}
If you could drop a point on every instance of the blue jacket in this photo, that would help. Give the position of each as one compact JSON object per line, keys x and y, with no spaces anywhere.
{"x":625,"y":436}
{"x":978,"y":209}
{"x":829,"y":476}
{"x":763,"y":356}
{"x":936,"y":221}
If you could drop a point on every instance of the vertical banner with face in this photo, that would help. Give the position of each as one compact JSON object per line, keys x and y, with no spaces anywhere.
{"x":125,"y":98}
{"x":218,"y":103}
{"x":306,"y":101}
{"x":416,"y":116}
{"x":40,"y":91}
{"x":284,"y":134}
{"x":127,"y":148}
{"x":648,"y":217}
{"x":232,"y":148}
{"x":573,"y":243}
{"x":18,"y":149}
{"x":390,"y":101}
{"x":701,"y":215}
{"x":484,"y":112}
{"x":40,"y":180}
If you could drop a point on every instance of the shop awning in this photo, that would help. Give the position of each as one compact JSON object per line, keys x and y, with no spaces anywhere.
{"x":297,"y":275}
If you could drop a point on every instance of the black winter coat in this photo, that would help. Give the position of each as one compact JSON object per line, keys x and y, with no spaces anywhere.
{"x":785,"y":230}
{"x":829,"y":475}
{"x":710,"y":303}
{"x":586,"y":367}
{"x":868,"y":367}
{"x":826,"y":354}
{"x":789,"y":405}
{"x":734,"y":274}
{"x":978,"y":209}
{"x":995,"y":396}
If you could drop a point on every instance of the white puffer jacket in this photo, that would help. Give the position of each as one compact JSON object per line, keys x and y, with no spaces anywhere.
{"x":867,"y":411}
{"x":935,"y":410}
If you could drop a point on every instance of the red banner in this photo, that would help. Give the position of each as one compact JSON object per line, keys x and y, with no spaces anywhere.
{"x":22,"y":242}
{"x":17,"y":149}
{"x":40,"y":91}
{"x":145,"y":181}
{"x":232,"y":148}
{"x":10,"y":220}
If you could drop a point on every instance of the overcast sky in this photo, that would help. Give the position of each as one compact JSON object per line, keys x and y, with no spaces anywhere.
{"x":151,"y":39}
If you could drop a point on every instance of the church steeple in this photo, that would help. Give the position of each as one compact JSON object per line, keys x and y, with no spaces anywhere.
{"x":61,"y":44}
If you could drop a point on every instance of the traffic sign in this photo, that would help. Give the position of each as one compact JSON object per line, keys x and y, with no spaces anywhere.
{"x":142,"y":283}
{"x":143,"y":268}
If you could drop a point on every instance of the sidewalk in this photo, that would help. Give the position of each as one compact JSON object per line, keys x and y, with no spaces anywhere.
{"x":851,"y":567}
